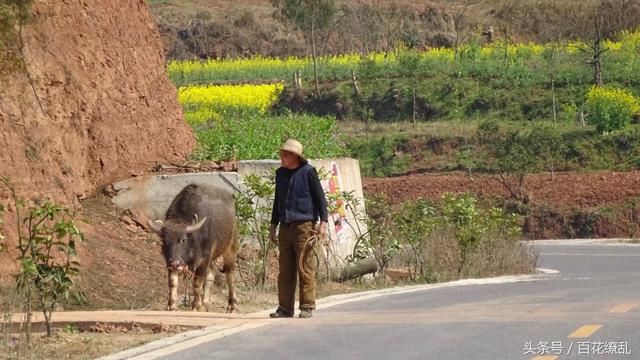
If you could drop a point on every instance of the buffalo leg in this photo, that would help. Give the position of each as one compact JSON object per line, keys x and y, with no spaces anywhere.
{"x":198,"y":282}
{"x":229,"y":267}
{"x":172,"y":304}
{"x":208,"y":284}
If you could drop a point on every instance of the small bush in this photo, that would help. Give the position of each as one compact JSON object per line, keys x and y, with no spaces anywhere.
{"x":379,"y":156}
{"x":47,"y":257}
{"x":253,"y":208}
{"x":611,"y":109}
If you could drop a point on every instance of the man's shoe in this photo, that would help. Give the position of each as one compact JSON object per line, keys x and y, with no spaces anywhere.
{"x":305,"y":314}
{"x":280,"y":314}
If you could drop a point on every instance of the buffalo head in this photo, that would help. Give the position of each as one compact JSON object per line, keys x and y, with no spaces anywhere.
{"x":177,"y":249}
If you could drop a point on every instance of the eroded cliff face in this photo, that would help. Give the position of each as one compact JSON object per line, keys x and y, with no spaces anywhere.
{"x":99,"y":105}
{"x":107,"y":108}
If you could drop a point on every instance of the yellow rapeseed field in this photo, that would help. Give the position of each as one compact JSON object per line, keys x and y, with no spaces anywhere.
{"x":206,"y":103}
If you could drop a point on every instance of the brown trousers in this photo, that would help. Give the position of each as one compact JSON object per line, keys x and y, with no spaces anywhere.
{"x":291,"y":240}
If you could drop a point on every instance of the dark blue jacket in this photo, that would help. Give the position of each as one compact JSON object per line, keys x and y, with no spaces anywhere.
{"x":299,"y":196}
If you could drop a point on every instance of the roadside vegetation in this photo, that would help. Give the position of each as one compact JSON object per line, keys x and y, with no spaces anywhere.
{"x":417,"y":241}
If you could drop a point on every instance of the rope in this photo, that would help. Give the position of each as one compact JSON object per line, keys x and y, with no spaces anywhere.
{"x":306,"y":249}
{"x":185,"y":271}
{"x":309,"y":243}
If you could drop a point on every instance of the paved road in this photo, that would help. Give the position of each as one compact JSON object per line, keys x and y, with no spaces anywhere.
{"x":590,"y":310}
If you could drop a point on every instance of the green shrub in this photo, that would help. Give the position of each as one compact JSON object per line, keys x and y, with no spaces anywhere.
{"x":378,"y":156}
{"x":253,"y":209}
{"x":414,"y":223}
{"x":47,"y":257}
{"x":456,"y":238}
{"x":548,"y":146}
{"x":611,"y":109}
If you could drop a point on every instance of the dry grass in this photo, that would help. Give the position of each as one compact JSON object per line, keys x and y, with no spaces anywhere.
{"x":76,"y":345}
{"x":444,"y":129}
{"x":492,"y":257}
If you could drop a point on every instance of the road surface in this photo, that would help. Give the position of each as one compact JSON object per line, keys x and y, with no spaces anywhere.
{"x":589,"y":310}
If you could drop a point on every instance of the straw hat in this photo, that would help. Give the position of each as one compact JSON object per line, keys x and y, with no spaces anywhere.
{"x":293,"y":146}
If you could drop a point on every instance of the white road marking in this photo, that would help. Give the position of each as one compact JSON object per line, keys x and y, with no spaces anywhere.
{"x":583,"y":242}
{"x":591,"y":254}
{"x":547,"y":271}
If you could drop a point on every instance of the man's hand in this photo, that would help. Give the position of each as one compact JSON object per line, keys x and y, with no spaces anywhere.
{"x":272,"y":234}
{"x":322,"y":230}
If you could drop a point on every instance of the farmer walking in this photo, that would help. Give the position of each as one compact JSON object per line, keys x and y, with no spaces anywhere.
{"x":298,"y":205}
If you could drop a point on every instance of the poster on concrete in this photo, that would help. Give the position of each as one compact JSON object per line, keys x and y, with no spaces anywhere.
{"x":333,"y":187}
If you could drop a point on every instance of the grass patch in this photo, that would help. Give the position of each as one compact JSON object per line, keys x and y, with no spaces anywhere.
{"x":65,"y":345}
{"x":389,"y":149}
{"x":259,"y":137}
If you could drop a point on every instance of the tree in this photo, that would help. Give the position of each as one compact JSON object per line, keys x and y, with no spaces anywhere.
{"x":596,"y":22}
{"x":514,"y":157}
{"x":552,"y":54}
{"x":548,"y":147}
{"x":376,"y":25}
{"x":462,"y":24}
{"x":409,"y":63}
{"x":308,"y":16}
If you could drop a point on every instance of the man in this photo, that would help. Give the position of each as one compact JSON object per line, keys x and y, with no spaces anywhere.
{"x":299,"y":203}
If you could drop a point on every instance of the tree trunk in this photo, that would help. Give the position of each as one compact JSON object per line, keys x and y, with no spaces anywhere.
{"x":414,"y":106}
{"x":357,"y":269}
{"x":315,"y":57}
{"x":354,"y":80}
{"x":553,"y":95}
{"x":597,"y":56}
{"x":47,"y":320}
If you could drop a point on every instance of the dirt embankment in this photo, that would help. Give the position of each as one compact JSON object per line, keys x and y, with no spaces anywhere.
{"x":565,"y":190}
{"x":99,"y":105}
{"x":572,"y":205}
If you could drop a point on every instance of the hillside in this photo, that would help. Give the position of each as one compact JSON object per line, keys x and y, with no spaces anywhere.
{"x":225,"y":29}
{"x":92,"y":105}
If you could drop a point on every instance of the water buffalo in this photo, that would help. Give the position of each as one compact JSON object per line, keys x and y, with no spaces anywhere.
{"x":199,"y":227}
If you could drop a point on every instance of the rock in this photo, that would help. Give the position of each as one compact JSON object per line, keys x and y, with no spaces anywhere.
{"x":134,"y":219}
{"x":109,"y":191}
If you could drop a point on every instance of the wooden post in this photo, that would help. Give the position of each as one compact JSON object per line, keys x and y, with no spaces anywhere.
{"x":553,"y":92}
{"x":354,"y":80}
{"x":315,"y":57}
{"x":414,"y":106}
{"x":299,"y":84}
